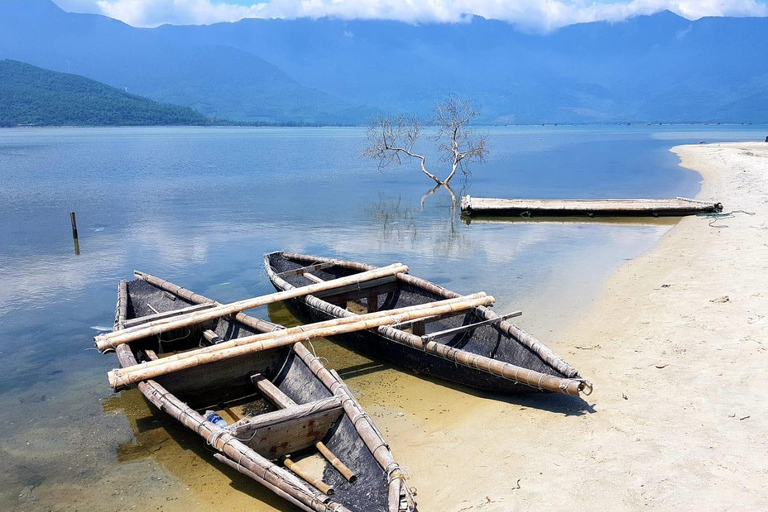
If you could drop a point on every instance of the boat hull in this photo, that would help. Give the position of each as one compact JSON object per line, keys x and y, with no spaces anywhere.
{"x":296,"y":373}
{"x":491,"y":357}
{"x":381,"y":347}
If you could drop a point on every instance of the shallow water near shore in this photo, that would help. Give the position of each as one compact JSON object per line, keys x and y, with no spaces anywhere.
{"x":200,"y":206}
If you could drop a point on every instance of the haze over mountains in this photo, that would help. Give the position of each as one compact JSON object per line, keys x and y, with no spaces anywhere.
{"x":660,"y":68}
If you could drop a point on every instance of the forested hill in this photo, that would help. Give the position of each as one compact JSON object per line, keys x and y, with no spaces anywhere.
{"x":34,"y":96}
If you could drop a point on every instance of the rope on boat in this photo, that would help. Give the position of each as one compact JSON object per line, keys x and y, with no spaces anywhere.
{"x":586,"y":388}
{"x":285,"y":362}
{"x":395,"y":472}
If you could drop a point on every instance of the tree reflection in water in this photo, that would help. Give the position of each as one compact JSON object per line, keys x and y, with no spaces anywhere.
{"x":432,"y":228}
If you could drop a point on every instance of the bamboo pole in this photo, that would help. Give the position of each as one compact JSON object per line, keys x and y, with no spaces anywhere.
{"x":469,"y":327}
{"x":250,"y":474}
{"x":393,"y":496}
{"x":226,"y":443}
{"x":257,"y":324}
{"x":368,"y":432}
{"x":111,"y":340}
{"x":121,"y":378}
{"x":122,"y":305}
{"x":245,"y":340}
{"x":321,"y":486}
{"x":336,"y":462}
{"x":73,"y":221}
{"x":133,"y":322}
{"x":508,"y":371}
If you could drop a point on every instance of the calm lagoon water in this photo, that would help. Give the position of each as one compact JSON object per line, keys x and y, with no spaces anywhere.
{"x":201,"y":206}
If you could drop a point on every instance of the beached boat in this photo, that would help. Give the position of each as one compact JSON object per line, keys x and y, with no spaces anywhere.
{"x":264,"y":410}
{"x":475,"y":347}
{"x":526,"y":208}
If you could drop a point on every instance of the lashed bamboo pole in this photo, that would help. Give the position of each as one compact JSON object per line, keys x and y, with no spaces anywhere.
{"x":501,"y":369}
{"x":321,"y":486}
{"x":111,"y":340}
{"x":368,"y":432}
{"x":250,"y":474}
{"x":226,"y":443}
{"x":121,"y":378}
{"x":245,"y":340}
{"x":122,"y":305}
{"x":257,"y":324}
{"x":393,"y":496}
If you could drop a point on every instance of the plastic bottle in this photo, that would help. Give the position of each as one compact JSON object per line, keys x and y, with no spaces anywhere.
{"x":215,"y":419}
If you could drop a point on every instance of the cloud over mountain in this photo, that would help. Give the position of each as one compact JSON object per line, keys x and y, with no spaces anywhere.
{"x":532,"y":15}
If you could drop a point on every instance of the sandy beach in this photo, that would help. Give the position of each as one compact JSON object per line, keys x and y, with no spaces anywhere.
{"x":676,"y":347}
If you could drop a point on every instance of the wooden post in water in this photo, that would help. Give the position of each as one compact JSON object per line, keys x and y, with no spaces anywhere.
{"x":74,"y":232}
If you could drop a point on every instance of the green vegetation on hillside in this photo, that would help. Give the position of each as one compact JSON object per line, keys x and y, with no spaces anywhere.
{"x":34,"y":96}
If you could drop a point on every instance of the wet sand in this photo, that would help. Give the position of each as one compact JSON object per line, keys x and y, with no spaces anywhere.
{"x":676,"y":346}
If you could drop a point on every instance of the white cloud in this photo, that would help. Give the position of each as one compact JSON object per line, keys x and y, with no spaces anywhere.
{"x":529,"y":14}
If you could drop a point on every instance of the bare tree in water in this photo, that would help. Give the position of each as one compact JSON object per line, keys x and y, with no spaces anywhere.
{"x":390,"y":139}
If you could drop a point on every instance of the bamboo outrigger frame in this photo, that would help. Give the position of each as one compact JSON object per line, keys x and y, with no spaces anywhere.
{"x":125,"y":377}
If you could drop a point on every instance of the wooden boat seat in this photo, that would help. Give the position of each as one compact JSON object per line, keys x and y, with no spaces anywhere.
{"x":280,"y":399}
{"x":279,"y":433}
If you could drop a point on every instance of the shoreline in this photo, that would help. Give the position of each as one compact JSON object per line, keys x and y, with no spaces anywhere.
{"x":678,"y":417}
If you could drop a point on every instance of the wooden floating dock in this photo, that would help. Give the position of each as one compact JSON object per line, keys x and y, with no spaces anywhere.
{"x":678,"y":206}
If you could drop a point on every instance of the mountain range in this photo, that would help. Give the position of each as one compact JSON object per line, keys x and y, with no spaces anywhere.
{"x":38,"y":97}
{"x":660,"y":68}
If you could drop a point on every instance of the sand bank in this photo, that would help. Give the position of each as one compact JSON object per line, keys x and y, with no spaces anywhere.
{"x":676,"y":346}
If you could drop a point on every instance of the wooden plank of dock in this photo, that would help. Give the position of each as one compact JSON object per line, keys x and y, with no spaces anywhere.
{"x":678,"y":206}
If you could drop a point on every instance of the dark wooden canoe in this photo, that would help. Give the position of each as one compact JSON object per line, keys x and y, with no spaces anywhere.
{"x":279,"y":403}
{"x":477,"y":349}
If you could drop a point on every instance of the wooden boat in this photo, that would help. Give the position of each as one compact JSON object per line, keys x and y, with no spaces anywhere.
{"x":476,"y":347}
{"x":679,"y":206}
{"x":280,"y":405}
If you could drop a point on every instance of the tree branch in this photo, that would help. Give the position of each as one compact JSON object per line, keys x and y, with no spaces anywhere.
{"x":389,"y":137}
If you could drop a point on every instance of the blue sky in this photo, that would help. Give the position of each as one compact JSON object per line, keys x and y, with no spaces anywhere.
{"x":533,"y":15}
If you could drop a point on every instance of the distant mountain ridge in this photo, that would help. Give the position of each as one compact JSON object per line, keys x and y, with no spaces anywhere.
{"x":38,"y":97}
{"x":216,"y":80}
{"x":660,"y":68}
